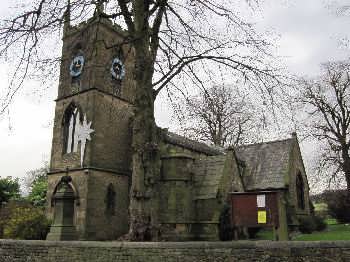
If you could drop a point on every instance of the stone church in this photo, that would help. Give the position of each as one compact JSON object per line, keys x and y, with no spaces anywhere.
{"x":90,"y":168}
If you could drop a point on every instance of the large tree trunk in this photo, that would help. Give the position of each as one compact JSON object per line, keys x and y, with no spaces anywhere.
{"x":146,"y":156}
{"x":145,"y":172}
{"x":346,"y":168}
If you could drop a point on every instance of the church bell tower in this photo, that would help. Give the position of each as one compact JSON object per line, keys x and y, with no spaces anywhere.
{"x":91,"y":142}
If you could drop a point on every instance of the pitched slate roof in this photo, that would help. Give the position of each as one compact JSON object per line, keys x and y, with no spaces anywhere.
{"x":266,"y":164}
{"x":208,"y":173}
{"x":178,"y":140}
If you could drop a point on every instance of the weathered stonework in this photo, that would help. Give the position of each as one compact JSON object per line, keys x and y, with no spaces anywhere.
{"x":275,"y":166}
{"x":107,"y":157}
{"x":100,"y":42}
{"x":296,"y":166}
{"x":243,"y":251}
{"x":192,"y":191}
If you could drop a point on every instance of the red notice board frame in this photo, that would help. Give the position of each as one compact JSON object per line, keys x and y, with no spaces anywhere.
{"x":244,"y":209}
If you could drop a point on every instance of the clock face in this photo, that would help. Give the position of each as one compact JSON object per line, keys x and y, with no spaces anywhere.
{"x":117,"y":69}
{"x":76,"y":66}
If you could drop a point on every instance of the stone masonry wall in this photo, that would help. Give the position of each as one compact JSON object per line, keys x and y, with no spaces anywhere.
{"x":35,"y":251}
{"x":100,"y":42}
{"x":296,"y":167}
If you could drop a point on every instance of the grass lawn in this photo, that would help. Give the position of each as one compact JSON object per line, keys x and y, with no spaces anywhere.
{"x":332,"y":232}
{"x":264,"y":234}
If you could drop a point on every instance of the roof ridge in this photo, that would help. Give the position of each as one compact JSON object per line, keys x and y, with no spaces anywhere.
{"x":184,"y":141}
{"x":267,"y":142}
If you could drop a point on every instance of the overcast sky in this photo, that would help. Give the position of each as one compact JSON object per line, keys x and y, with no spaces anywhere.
{"x":309,"y":34}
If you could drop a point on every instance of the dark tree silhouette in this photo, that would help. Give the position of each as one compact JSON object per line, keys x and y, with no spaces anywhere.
{"x":222,"y":115}
{"x":328,"y":102}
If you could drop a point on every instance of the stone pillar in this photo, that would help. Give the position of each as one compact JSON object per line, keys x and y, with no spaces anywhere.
{"x":282,"y":230}
{"x":63,"y":227}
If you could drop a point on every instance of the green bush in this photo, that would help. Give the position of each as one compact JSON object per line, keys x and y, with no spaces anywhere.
{"x":25,"y":222}
{"x":253,"y":231}
{"x":36,"y":184}
{"x":307,"y":225}
{"x":320,"y":223}
{"x":338,"y":204}
{"x":9,"y":189}
{"x":321,"y":210}
{"x":311,"y":223}
{"x":37,"y":195}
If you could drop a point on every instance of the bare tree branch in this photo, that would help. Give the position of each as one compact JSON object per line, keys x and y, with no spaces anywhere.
{"x":327,"y":99}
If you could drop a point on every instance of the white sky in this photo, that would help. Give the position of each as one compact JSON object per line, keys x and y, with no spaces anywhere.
{"x":309,"y":33}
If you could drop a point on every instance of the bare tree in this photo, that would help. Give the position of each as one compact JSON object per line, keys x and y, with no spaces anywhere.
{"x":222,"y":115}
{"x":327,"y":100}
{"x":338,"y":8}
{"x":172,"y":41}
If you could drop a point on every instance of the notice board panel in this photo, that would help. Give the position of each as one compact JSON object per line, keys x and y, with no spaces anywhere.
{"x":255,"y":209}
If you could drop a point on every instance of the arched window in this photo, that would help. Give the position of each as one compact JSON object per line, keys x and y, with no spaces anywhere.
{"x":110,"y":200}
{"x":300,"y":191}
{"x":71,"y":117}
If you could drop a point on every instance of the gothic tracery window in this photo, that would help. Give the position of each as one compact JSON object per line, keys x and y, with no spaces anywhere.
{"x":76,"y":131}
{"x":71,"y":117}
{"x":300,"y":191}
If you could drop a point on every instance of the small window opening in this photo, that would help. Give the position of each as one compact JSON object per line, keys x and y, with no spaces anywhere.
{"x":110,"y":200}
{"x":300,"y":191}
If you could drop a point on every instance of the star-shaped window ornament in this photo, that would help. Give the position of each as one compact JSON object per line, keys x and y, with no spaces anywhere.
{"x":82,"y":134}
{"x":83,"y":131}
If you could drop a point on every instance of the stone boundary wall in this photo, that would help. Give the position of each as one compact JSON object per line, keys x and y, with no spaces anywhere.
{"x":75,"y":251}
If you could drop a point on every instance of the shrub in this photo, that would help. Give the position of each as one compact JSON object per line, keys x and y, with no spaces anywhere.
{"x":338,"y":205}
{"x":307,"y":225}
{"x":9,"y":189}
{"x":6,"y":210}
{"x":37,"y":195}
{"x":253,"y":231}
{"x":321,"y":210}
{"x":36,"y":183}
{"x":25,"y":222}
{"x":311,"y":223}
{"x":319,"y":222}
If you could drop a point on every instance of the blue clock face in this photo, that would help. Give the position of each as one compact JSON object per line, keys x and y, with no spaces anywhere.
{"x":117,"y":69}
{"x":76,"y":66}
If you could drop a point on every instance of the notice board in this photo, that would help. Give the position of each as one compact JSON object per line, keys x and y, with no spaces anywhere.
{"x":255,"y":209}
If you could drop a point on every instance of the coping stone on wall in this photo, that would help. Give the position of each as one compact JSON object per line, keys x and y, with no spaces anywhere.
{"x":265,"y":244}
